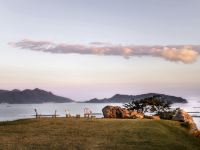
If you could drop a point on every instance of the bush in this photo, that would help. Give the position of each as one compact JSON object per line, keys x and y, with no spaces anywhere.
{"x":186,"y":125}
{"x":167,"y":115}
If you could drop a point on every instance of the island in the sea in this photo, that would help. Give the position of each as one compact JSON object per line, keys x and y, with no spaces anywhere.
{"x":29,"y":96}
{"x":37,"y":95}
{"x":119,"y":98}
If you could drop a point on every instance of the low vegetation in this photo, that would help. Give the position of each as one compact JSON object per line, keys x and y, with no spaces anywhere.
{"x":74,"y":133}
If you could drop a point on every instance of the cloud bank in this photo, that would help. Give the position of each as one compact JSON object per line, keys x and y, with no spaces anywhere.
{"x":177,"y":53}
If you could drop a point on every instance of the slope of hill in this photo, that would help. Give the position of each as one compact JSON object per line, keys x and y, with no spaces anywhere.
{"x":30,"y":96}
{"x":118,"y":98}
{"x":96,"y":134}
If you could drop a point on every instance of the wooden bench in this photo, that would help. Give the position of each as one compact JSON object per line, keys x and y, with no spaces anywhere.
{"x":37,"y":115}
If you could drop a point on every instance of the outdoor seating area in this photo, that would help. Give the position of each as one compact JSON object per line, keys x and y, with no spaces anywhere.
{"x":87,"y":114}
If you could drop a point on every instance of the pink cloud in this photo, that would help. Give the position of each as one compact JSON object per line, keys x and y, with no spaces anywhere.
{"x":177,"y":53}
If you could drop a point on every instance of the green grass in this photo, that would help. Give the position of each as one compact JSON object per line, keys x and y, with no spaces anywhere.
{"x":63,"y":133}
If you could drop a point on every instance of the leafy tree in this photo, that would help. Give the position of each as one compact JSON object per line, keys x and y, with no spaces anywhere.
{"x":152,"y":104}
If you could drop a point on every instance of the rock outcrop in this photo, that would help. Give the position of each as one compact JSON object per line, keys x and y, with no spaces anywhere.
{"x":156,"y":117}
{"x":118,"y":112}
{"x":177,"y":115}
{"x":184,"y":117}
{"x":196,"y":133}
{"x":136,"y":115}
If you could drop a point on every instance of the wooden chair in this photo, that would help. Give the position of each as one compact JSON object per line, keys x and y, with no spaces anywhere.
{"x":87,"y":113}
{"x":68,"y":115}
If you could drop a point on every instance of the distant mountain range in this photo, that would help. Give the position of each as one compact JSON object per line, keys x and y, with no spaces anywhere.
{"x":118,"y":98}
{"x":40,"y":96}
{"x":30,"y":96}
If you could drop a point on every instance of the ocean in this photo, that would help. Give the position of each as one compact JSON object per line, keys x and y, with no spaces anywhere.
{"x":10,"y":112}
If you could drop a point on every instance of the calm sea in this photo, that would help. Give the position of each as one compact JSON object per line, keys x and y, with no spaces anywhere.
{"x":19,"y":111}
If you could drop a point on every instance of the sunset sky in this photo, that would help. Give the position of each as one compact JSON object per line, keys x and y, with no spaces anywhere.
{"x":83,"y":49}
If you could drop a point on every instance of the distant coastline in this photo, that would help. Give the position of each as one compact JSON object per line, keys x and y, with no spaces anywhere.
{"x":37,"y":96}
{"x":28,"y":96}
{"x":119,"y":98}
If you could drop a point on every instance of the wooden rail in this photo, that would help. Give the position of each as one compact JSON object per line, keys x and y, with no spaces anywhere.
{"x":37,"y":115}
{"x":40,"y":116}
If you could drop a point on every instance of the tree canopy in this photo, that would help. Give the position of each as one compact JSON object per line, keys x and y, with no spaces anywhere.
{"x":152,"y":104}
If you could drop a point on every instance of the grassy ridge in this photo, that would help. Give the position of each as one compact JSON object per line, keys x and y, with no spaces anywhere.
{"x":62,"y":133}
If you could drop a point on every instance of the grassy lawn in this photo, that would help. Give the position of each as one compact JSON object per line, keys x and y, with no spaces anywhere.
{"x":63,"y":133}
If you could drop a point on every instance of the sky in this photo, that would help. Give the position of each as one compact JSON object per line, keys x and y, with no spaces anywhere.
{"x":87,"y":49}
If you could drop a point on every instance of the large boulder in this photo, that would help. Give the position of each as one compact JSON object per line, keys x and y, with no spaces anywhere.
{"x":136,"y":115}
{"x":196,"y":133}
{"x":187,"y":120}
{"x":154,"y":117}
{"x":115,"y":112}
{"x":118,"y":112}
{"x":124,"y":113}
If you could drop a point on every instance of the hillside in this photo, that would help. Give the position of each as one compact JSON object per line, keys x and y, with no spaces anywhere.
{"x":90,"y":134}
{"x":118,"y":98}
{"x":30,"y":96}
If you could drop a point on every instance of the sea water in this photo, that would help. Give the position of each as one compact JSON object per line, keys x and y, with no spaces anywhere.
{"x":19,"y":111}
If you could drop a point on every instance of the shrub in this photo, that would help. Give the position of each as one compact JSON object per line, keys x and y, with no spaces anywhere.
{"x":186,"y":125}
{"x":167,"y":115}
